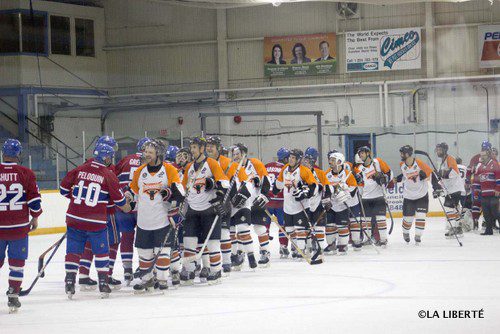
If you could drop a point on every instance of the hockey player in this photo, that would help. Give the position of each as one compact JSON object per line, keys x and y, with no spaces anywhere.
{"x":171,"y":153}
{"x":415,"y":174}
{"x":298,"y":186}
{"x":469,"y":181}
{"x":127,"y":221}
{"x":487,"y":187}
{"x":257,"y":174}
{"x":375,"y":176}
{"x":90,"y":188}
{"x":214,"y":144}
{"x":241,"y":205}
{"x":343,"y":200}
{"x":85,"y":282}
{"x":320,"y":202}
{"x":19,"y":199}
{"x":205,"y":193}
{"x":157,"y":187}
{"x":275,"y":205}
{"x":452,"y":188}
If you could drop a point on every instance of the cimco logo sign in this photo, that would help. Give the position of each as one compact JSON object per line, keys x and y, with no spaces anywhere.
{"x":399,"y":47}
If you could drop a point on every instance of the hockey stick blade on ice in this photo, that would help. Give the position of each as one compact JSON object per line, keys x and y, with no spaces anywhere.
{"x":41,"y":269}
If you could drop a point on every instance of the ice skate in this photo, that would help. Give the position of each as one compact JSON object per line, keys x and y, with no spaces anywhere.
{"x":236,"y":261}
{"x":176,"y":279}
{"x":87,"y":284}
{"x":252,"y":263}
{"x":187,"y":278}
{"x":114,"y":284}
{"x":69,"y":286}
{"x":146,"y":286}
{"x":204,"y":273}
{"x":264,"y":261}
{"x":284,"y":252}
{"x":128,"y":276}
{"x":13,"y":301}
{"x":214,"y":278}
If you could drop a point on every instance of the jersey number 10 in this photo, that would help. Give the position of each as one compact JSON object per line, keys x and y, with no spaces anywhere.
{"x":89,"y":194}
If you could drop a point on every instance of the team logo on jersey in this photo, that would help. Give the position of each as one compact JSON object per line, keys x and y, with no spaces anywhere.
{"x":144,"y":175}
{"x":151,"y":189}
{"x":161,"y":174}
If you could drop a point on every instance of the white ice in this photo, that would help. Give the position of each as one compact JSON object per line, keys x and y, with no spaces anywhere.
{"x":360,"y":292}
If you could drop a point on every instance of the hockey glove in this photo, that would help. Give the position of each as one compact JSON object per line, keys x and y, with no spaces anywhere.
{"x":422,"y":175}
{"x":260,"y":202}
{"x":256,"y":182}
{"x":379,"y":178}
{"x":166,"y":194}
{"x":399,"y":178}
{"x":218,"y":206}
{"x":358,"y":177}
{"x":326,"y":203}
{"x":241,"y":197}
{"x":301,"y":193}
{"x":438,"y":193}
{"x":209,"y":184}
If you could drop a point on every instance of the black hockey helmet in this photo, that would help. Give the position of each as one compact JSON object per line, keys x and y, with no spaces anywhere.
{"x":459,"y":161}
{"x":406,"y":149}
{"x":215,"y":140}
{"x":224,"y":151}
{"x":184,"y":150}
{"x":200,"y":141}
{"x":443,"y":146}
{"x":242,"y":148}
{"x":298,"y":154}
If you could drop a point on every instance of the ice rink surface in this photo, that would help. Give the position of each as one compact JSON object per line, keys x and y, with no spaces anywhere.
{"x":361,"y":292}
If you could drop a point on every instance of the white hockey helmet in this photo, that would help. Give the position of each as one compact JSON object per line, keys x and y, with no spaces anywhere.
{"x":338,"y":158}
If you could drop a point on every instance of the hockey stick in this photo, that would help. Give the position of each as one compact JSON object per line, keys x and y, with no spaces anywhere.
{"x":384,"y":190}
{"x":319,"y":251}
{"x":441,"y":183}
{"x":41,"y":269}
{"x":224,"y":201}
{"x":307,"y":258}
{"x":362,"y":229}
{"x":360,"y":200}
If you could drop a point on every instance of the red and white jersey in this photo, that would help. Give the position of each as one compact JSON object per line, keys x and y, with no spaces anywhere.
{"x":126,"y":167}
{"x":487,"y":178}
{"x":112,"y":168}
{"x":19,"y":198}
{"x":414,"y":188}
{"x":90,"y":188}
{"x":273,"y":170}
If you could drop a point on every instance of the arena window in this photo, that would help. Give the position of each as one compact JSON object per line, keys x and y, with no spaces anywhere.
{"x":84,"y":30}
{"x":60,"y":35}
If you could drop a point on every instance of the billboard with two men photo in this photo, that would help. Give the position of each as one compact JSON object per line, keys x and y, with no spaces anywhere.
{"x":300,"y":55}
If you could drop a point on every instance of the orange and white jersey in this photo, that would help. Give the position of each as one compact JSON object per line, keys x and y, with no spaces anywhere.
{"x":413,"y":187}
{"x":370,"y":188}
{"x":288,"y":180}
{"x":255,"y":168}
{"x":240,"y":178}
{"x":320,"y":177}
{"x":152,"y":211}
{"x":225,"y":163}
{"x":344,"y":180}
{"x":454,"y":183}
{"x":198,"y":198}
